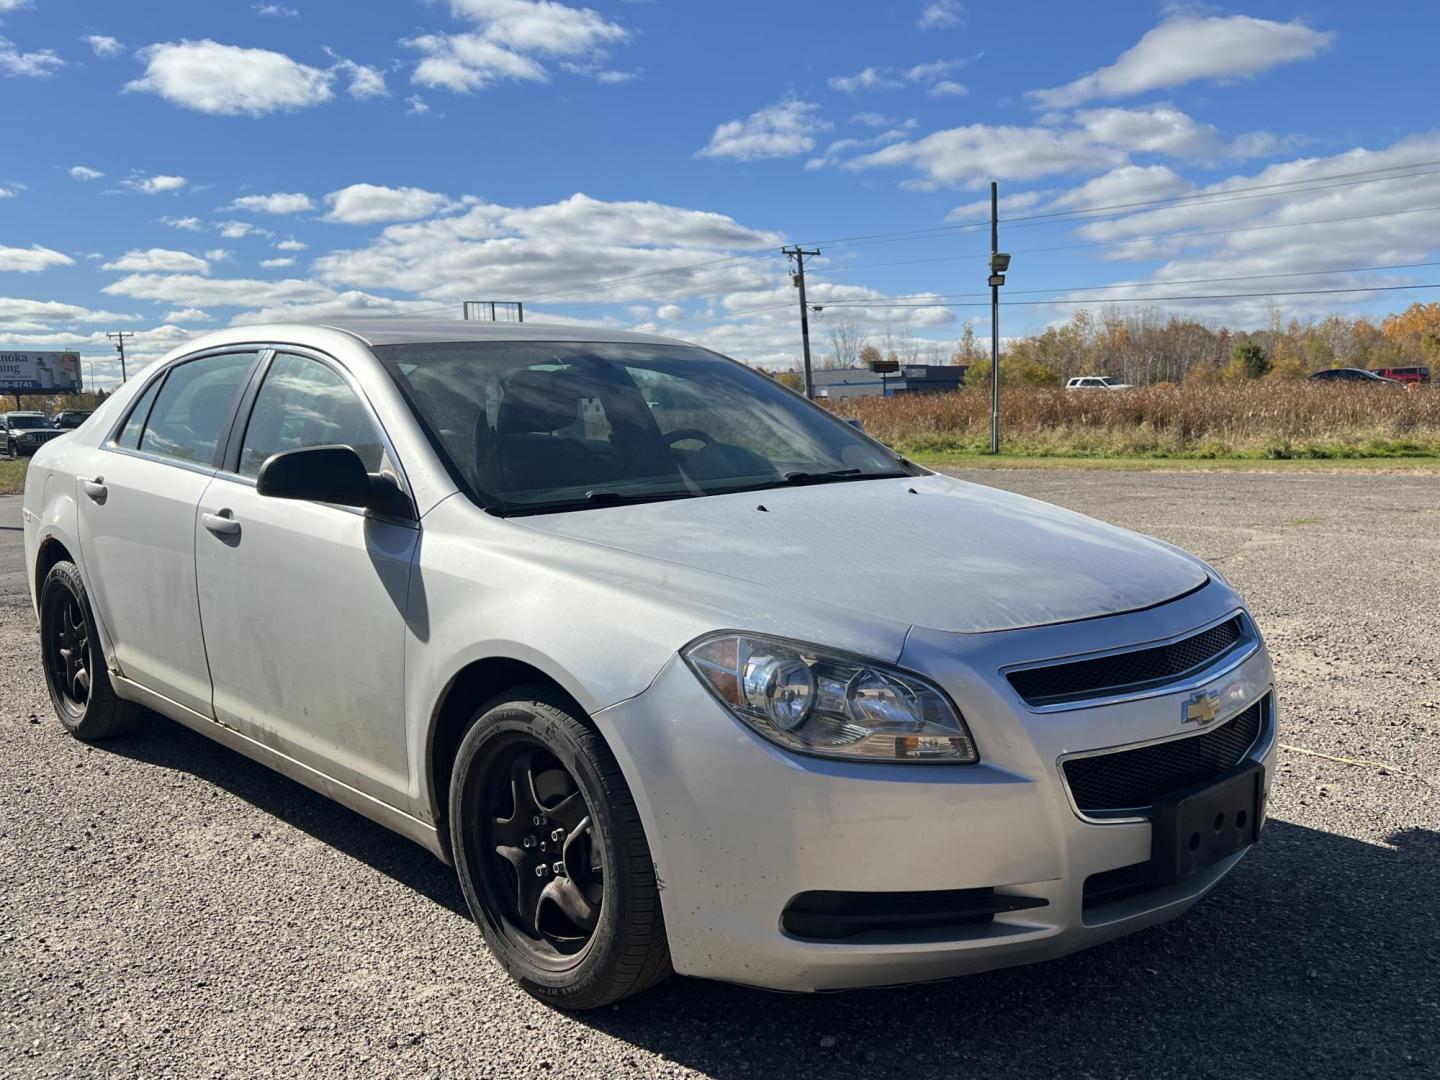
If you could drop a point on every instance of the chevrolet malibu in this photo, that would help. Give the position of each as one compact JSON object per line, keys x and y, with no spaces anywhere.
{"x":680,"y":672}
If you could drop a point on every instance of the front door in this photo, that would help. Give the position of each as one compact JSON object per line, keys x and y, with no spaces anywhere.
{"x":137,"y":524}
{"x":303,"y":603}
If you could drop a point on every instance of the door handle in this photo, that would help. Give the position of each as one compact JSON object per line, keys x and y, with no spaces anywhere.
{"x":221,"y":524}
{"x":96,"y":488}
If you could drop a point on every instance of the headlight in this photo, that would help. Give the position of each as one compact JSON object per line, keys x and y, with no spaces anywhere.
{"x":832,"y":704}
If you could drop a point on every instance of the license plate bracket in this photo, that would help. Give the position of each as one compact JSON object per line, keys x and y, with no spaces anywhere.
{"x":1198,"y":826}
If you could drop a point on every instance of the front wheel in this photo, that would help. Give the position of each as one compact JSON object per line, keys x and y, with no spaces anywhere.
{"x":551,"y":854}
{"x":75,"y":672}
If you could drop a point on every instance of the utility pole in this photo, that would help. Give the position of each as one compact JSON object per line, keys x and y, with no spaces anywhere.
{"x":799,"y":254}
{"x":119,"y":337}
{"x":999,"y":263}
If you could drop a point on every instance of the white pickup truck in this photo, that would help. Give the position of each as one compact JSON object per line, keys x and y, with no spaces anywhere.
{"x":1096,"y":382}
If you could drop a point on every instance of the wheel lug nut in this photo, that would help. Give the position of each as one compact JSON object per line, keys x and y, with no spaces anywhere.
{"x":538,"y":819}
{"x":529,"y":841}
{"x":539,"y":871}
{"x":558,"y":868}
{"x":558,"y":835}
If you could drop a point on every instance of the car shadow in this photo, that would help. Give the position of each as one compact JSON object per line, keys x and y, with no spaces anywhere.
{"x":160,"y":741}
{"x":1318,"y":956}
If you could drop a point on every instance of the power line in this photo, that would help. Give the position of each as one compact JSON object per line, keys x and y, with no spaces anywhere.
{"x":1154,"y":284}
{"x":1153,"y":299}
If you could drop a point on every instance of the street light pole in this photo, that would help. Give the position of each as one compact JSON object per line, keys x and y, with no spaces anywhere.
{"x":999,"y":263}
{"x":994,"y":320}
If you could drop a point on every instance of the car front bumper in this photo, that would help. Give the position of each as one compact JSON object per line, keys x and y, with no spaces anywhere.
{"x":738,"y":828}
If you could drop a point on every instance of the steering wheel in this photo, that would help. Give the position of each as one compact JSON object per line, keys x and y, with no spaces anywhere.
{"x":685,"y":433}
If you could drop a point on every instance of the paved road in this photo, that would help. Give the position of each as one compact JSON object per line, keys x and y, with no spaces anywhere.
{"x":170,"y":909}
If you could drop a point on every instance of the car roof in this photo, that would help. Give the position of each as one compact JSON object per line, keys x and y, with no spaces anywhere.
{"x":395,"y":330}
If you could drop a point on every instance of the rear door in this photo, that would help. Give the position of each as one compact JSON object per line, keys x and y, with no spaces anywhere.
{"x":303,"y":603}
{"x":137,"y":522}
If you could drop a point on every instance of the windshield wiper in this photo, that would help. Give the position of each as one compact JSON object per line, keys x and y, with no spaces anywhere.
{"x":799,"y":479}
{"x":592,"y":500}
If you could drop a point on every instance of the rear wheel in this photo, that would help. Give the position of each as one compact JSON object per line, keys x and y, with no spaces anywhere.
{"x":551,"y":855}
{"x":75,"y":672}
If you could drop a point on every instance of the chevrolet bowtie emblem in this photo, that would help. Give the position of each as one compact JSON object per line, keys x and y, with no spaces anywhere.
{"x":1201,"y":709}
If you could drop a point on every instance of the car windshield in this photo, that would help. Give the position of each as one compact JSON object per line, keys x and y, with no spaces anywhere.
{"x":531,"y":427}
{"x":22,"y":421}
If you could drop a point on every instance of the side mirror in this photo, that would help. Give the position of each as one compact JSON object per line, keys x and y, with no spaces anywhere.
{"x":331,"y":474}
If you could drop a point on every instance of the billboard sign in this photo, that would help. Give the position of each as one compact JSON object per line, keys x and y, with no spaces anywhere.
{"x":39,"y":372}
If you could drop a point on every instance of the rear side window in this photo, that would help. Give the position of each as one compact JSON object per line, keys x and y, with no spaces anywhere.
{"x":193,"y":408}
{"x":304,"y":402}
{"x":129,"y":436}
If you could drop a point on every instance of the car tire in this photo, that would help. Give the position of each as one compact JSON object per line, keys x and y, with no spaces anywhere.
{"x":80,"y":688}
{"x":600,"y":936}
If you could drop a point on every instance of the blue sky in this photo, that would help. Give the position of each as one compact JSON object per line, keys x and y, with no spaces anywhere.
{"x":174,"y":167}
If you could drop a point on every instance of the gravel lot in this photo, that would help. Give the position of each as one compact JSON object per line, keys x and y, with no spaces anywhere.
{"x":168,"y":908}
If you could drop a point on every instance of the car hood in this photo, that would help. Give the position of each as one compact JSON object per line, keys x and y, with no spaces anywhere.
{"x":928,"y":551}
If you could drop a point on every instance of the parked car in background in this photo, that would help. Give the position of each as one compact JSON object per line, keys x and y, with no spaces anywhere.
{"x":1097,"y":382}
{"x":22,"y":433}
{"x":1414,"y":375}
{"x":71,"y":418}
{"x":1352,"y":375}
{"x":620,"y":628}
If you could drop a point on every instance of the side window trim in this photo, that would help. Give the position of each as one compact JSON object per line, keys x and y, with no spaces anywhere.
{"x":243,"y":415}
{"x":262,"y":356}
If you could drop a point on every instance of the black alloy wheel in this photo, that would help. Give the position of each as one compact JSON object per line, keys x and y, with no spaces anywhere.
{"x":80,"y":687}
{"x":551,"y":854}
{"x":68,"y":654}
{"x":544,"y":875}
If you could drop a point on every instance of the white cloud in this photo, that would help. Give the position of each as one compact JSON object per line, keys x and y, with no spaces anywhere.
{"x":948,"y":88}
{"x":84,"y":172}
{"x":19,"y":314}
{"x":104,"y":44}
{"x":415,"y":106}
{"x":278,"y":203}
{"x":366,"y":82}
{"x":227,"y":80}
{"x":1166,"y":130}
{"x":159,"y":261}
{"x":275,"y":11}
{"x":571,"y":244}
{"x":1187,"y":48}
{"x":187,"y":315}
{"x":870,"y":78}
{"x":979,"y":210}
{"x":610,"y":77}
{"x":189,"y":290}
{"x":509,"y":36}
{"x":235,"y":230}
{"x":188,"y":224}
{"x":155,"y":185}
{"x":669,"y":313}
{"x":940,"y":15}
{"x":32,"y":259}
{"x":275,"y":264}
{"x":291,"y":245}
{"x":782,"y":130}
{"x":34,"y":65}
{"x":218,"y":254}
{"x":9,"y":192}
{"x":365,"y":204}
{"x":971,"y":155}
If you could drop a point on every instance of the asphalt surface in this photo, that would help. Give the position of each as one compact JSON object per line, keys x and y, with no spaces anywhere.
{"x":168,"y":908}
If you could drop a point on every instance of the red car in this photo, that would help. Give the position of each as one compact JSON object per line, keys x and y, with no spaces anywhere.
{"x":1413,"y":375}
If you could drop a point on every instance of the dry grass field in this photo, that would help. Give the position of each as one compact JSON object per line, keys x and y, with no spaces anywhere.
{"x":1257,"y":420}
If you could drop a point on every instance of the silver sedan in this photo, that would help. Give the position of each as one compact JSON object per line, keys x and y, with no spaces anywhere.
{"x":679,"y":671}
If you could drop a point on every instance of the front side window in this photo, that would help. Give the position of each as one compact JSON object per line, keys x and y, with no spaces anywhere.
{"x":304,"y":402}
{"x":192,"y":411}
{"x":540,"y":426}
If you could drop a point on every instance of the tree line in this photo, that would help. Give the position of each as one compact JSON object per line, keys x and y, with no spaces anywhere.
{"x":1146,"y":346}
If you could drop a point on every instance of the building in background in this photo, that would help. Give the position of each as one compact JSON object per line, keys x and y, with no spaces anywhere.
{"x":831,"y":383}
